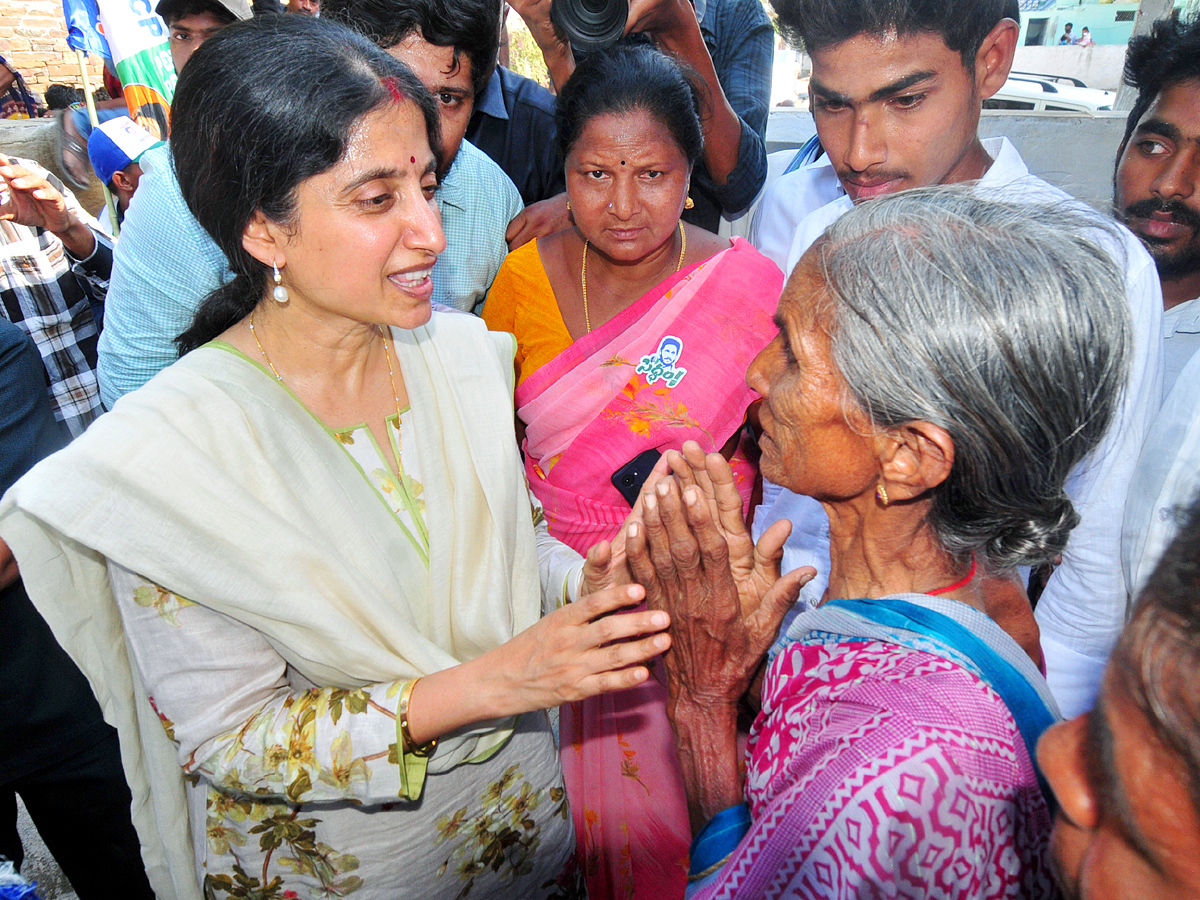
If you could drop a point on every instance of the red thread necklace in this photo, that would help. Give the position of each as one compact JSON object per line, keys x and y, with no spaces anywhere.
{"x":962,"y":582}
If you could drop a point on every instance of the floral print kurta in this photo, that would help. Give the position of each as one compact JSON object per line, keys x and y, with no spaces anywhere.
{"x":294,"y":789}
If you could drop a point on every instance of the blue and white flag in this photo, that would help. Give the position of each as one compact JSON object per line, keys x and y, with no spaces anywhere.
{"x":83,"y":27}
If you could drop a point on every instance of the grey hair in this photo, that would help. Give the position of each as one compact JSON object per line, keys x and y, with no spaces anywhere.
{"x":1004,"y":324}
{"x":1157,"y":658}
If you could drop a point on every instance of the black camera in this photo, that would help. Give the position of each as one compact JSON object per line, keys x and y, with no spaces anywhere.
{"x":590,"y":25}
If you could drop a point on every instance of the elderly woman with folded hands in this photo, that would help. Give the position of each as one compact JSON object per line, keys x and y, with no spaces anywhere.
{"x":938,"y":372}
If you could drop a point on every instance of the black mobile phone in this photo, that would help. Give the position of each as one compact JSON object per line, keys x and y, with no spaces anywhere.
{"x":630,"y":477}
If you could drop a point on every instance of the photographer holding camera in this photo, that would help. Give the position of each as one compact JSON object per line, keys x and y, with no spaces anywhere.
{"x":727,"y":43}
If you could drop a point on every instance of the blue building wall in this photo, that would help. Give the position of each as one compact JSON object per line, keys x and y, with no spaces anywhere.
{"x":1109,"y":23}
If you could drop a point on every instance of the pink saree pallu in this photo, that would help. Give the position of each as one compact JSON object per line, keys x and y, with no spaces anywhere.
{"x":668,"y":369}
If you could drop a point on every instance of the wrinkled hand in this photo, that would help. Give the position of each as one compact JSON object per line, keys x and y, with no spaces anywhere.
{"x":32,"y":200}
{"x":755,"y":569}
{"x":538,"y":220}
{"x":579,"y":651}
{"x":725,"y":609}
{"x":607,"y":564}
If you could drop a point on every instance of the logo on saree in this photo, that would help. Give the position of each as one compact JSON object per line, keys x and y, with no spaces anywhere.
{"x":660,"y":365}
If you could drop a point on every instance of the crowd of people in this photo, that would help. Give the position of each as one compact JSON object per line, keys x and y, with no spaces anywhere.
{"x":420,"y":498}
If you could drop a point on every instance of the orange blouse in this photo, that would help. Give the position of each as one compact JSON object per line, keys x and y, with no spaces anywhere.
{"x":522,"y":302}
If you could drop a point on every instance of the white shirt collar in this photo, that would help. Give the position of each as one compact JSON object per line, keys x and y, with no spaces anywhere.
{"x":1007,"y":165}
{"x":1184,"y":318}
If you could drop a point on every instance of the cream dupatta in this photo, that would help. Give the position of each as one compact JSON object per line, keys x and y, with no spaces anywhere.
{"x":216,"y":483}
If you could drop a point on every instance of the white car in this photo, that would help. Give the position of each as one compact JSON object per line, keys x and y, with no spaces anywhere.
{"x":1035,"y":93}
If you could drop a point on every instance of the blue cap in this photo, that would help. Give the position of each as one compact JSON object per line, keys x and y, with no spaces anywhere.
{"x":115,"y":144}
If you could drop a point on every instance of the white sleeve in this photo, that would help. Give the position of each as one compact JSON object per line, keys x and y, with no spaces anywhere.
{"x":560,"y":567}
{"x":1085,"y":604}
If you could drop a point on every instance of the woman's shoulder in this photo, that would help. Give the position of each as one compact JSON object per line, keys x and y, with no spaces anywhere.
{"x":749,"y":256}
{"x":925,"y":689}
{"x":521,"y":287}
{"x":467,"y":337}
{"x":521,"y":271}
{"x":704,"y":244}
{"x":734,"y":251}
{"x":526,"y":260}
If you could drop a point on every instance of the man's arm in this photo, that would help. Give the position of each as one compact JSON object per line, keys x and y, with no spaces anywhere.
{"x":742,"y":48}
{"x":35,"y":202}
{"x":560,"y":61}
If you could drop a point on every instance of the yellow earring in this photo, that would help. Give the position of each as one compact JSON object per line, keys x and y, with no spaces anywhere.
{"x":881,"y":494}
{"x":568,"y":206}
{"x":689,"y":203}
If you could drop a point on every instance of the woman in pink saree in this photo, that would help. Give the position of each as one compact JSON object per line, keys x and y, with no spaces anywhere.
{"x":633,"y":331}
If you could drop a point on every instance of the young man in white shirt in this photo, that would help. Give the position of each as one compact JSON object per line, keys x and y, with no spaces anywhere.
{"x":1157,"y":194}
{"x":897,"y":90}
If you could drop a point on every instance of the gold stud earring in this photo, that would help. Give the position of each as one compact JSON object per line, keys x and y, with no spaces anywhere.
{"x":568,"y":206}
{"x":689,"y":203}
{"x":881,"y":494}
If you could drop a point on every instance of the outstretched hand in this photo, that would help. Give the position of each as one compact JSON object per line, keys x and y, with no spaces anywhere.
{"x":578,"y":651}
{"x":35,"y":202}
{"x":695,"y":557}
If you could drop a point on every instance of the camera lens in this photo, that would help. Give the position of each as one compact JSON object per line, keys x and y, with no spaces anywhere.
{"x":590,"y":25}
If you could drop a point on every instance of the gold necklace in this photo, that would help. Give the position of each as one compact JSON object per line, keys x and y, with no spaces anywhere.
{"x":386,"y":352}
{"x":587,"y":319}
{"x":263,"y":351}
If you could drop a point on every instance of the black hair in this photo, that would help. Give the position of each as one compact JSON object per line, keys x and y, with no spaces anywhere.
{"x":60,"y":96}
{"x":155,"y":111}
{"x":172,"y":11}
{"x":962,"y":24}
{"x":1157,"y":659}
{"x":245,"y":135}
{"x":1169,"y":54}
{"x":631,"y":76}
{"x":471,"y":27}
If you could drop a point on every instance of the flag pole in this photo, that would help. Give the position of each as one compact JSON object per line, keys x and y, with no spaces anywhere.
{"x":91,"y":108}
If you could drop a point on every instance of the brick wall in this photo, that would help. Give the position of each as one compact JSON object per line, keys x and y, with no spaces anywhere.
{"x":33,"y":38}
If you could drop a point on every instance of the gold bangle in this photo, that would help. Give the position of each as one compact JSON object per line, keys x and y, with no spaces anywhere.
{"x":402,"y":714}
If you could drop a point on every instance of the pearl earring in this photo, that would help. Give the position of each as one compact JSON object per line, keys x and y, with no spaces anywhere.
{"x":280,"y":293}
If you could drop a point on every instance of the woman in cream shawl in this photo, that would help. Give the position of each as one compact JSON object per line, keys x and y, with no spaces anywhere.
{"x":326,"y":659}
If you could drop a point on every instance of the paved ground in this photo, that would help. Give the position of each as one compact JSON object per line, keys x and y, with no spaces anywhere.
{"x":39,"y":865}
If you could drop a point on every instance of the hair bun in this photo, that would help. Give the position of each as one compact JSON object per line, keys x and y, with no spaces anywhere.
{"x":1037,"y":539}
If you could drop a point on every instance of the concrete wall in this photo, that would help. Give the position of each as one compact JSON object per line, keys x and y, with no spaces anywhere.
{"x":1098,"y":66}
{"x":37,"y":139}
{"x":1077,"y":153}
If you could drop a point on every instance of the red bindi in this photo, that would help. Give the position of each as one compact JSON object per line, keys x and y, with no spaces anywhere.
{"x":412,"y":159}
